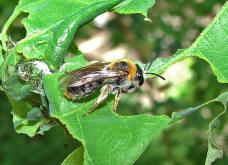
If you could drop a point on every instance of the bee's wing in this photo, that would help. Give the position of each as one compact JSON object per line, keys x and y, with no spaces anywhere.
{"x":92,"y":72}
{"x":96,"y":76}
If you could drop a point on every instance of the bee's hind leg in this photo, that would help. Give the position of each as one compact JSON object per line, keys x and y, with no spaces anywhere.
{"x":105,"y":90}
{"x":117,"y":98}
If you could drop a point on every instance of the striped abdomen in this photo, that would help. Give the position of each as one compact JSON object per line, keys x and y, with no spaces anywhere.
{"x":79,"y":92}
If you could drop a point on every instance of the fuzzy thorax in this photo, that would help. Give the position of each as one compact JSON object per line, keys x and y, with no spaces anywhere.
{"x":126,"y":65}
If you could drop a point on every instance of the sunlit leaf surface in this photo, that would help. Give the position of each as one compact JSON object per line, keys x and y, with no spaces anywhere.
{"x":51,"y":24}
{"x":211,"y":45}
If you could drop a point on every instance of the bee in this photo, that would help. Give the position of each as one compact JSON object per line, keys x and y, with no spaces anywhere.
{"x":120,"y":76}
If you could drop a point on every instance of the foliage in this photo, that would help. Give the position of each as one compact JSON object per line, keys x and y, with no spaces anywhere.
{"x":76,"y":157}
{"x":37,"y":101}
{"x":209,"y":46}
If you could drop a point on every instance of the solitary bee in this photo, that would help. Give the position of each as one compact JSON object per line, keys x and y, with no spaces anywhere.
{"x":121,"y":76}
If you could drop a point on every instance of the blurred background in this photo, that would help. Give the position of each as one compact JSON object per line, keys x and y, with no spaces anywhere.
{"x":175,"y":25}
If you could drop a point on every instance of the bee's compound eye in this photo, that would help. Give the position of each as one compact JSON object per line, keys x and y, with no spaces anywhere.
{"x":140,"y":80}
{"x":139,"y":75}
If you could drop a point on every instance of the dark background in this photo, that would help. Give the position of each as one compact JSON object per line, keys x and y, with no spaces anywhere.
{"x":175,"y":25}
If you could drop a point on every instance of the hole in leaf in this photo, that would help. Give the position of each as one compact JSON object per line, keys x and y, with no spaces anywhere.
{"x":17,"y":30}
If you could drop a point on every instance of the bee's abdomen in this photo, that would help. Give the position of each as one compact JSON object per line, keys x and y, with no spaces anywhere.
{"x":83,"y":90}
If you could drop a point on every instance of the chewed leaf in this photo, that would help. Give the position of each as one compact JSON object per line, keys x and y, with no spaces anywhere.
{"x":27,"y":119}
{"x":214,"y":150}
{"x":52,"y":24}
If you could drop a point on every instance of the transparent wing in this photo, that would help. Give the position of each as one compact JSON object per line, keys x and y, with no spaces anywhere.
{"x":96,"y":76}
{"x":90,"y":73}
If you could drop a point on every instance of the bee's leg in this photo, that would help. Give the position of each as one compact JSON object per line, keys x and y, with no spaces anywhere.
{"x":117,"y":98}
{"x":105,"y":90}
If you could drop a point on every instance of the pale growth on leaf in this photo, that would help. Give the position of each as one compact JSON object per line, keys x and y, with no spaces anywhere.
{"x":42,"y":67}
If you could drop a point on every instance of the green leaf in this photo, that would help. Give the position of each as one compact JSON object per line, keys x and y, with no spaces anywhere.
{"x":215,"y":151}
{"x":16,"y":89}
{"x":75,"y":158}
{"x":27,"y":116}
{"x":121,"y":138}
{"x":75,"y":62}
{"x":52,"y":24}
{"x":21,"y":79}
{"x":9,"y":64}
{"x":212,"y":43}
{"x":1,"y":57}
{"x":27,"y":119}
{"x":134,"y":6}
{"x":12,"y":85}
{"x":1,"y":61}
{"x":211,"y":46}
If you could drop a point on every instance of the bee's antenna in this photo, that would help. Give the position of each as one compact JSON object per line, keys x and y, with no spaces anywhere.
{"x":149,"y":64}
{"x":157,"y":75}
{"x":153,"y":56}
{"x":145,"y":66}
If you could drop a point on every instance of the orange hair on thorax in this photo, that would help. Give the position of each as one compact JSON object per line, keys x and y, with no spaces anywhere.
{"x":131,"y":69}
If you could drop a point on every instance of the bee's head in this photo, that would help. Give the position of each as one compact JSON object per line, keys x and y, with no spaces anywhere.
{"x":139,"y":78}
